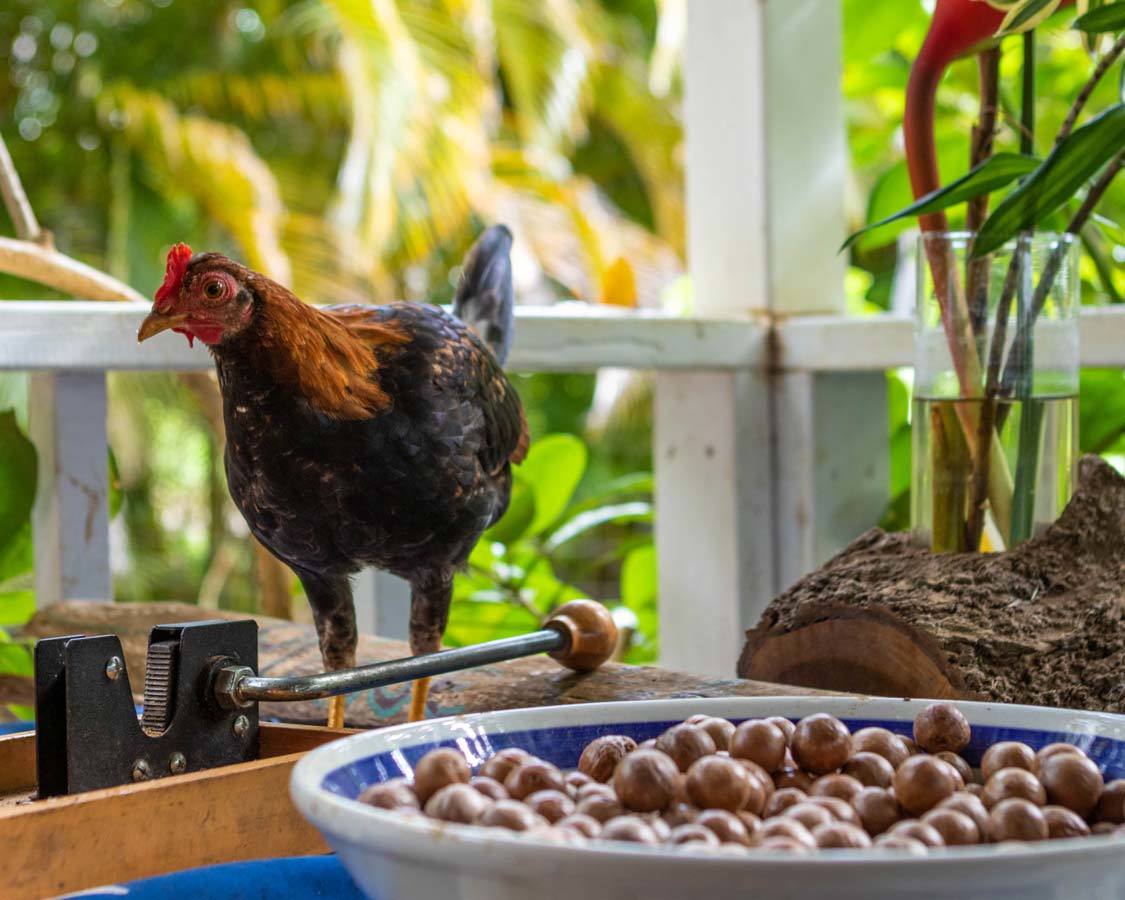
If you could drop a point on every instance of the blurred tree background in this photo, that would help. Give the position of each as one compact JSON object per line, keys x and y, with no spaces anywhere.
{"x":353,"y":148}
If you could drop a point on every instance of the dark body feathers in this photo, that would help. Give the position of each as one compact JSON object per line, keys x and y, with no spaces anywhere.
{"x":485,"y":299}
{"x":407,"y":486}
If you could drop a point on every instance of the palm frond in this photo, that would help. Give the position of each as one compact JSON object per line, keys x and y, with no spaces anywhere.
{"x":212,"y":163}
{"x":316,"y":97}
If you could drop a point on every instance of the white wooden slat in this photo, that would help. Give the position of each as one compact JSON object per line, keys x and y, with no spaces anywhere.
{"x":1101,"y":337}
{"x":766,"y":155}
{"x":832,"y":481}
{"x":382,"y":604}
{"x":70,"y":521}
{"x":849,"y":344}
{"x":765,"y":215}
{"x":711,"y":457}
{"x":68,"y":335}
{"x":81,"y":336}
{"x":844,"y":343}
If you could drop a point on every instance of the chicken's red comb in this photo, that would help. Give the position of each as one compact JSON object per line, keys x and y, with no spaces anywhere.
{"x":178,"y":258}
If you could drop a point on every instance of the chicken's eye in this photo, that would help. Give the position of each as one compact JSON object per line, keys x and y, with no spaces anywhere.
{"x":213,"y":290}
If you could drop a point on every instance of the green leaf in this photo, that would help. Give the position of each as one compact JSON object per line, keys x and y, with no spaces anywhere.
{"x":545,"y":590}
{"x":22,"y":713}
{"x":592,"y":518}
{"x":898,"y":401}
{"x":873,"y":26}
{"x":16,"y":556}
{"x":1102,"y":19}
{"x":638,"y":579}
{"x":18,"y":473}
{"x":15,"y":659}
{"x":521,"y":512}
{"x":1026,"y":15}
{"x":639,"y":596}
{"x":553,"y":468}
{"x":115,"y":495}
{"x":1101,"y":409}
{"x":892,"y":192}
{"x":992,"y":174}
{"x":16,"y":607}
{"x":1055,"y":181}
{"x":901,"y":454}
{"x":626,"y":485}
{"x":472,"y":621}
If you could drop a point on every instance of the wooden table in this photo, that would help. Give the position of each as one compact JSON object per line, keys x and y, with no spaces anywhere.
{"x":243,"y":812}
{"x":286,"y":648}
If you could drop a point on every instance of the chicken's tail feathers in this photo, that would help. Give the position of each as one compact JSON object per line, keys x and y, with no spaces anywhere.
{"x":485,"y":300}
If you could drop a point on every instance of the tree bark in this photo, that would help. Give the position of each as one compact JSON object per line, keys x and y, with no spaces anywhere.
{"x":1042,"y":624}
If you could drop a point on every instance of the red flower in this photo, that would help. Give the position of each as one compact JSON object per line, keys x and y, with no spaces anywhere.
{"x":957,"y":28}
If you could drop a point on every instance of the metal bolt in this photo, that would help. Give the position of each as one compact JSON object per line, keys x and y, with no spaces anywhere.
{"x":114,"y":668}
{"x":177,"y":764}
{"x":141,"y":771}
{"x":241,"y":726}
{"x":227,"y":682}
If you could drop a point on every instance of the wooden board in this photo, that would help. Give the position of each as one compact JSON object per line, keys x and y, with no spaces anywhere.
{"x":139,"y":830}
{"x":286,"y":648}
{"x":243,"y":812}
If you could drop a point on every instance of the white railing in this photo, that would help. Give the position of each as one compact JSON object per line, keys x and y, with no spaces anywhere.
{"x":769,"y":448}
{"x":770,"y":440}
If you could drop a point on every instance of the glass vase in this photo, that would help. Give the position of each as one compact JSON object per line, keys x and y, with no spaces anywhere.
{"x":995,"y":412}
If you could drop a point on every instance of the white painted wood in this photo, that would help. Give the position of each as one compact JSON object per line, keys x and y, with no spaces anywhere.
{"x":766,"y":155}
{"x":80,"y":336}
{"x":572,"y":337}
{"x":765,"y":216}
{"x":366,"y":601}
{"x":832,"y":480}
{"x":71,"y":517}
{"x":845,"y":344}
{"x":1101,"y":336}
{"x":382,"y":604}
{"x":712,"y":463}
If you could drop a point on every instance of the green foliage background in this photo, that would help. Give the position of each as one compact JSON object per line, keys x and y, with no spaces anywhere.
{"x":354,"y":148}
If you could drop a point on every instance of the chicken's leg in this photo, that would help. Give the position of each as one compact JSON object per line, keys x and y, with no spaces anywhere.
{"x":430,"y":596}
{"x":334,"y":614}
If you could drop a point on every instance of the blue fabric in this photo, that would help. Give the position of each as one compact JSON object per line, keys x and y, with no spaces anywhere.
{"x":298,"y":877}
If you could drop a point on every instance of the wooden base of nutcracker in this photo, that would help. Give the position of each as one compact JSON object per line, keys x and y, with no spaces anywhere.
{"x":118,"y":834}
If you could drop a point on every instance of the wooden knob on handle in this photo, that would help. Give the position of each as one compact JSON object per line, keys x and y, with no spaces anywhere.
{"x":591,"y":633}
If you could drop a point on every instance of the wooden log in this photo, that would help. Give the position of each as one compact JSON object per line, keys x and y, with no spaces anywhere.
{"x":118,"y":834}
{"x":286,"y":648}
{"x":1041,"y":624}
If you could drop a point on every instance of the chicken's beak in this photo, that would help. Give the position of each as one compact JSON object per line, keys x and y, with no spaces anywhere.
{"x":156,"y":322}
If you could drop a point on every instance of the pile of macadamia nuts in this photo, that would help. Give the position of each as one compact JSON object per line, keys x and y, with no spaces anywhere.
{"x":707,"y":785}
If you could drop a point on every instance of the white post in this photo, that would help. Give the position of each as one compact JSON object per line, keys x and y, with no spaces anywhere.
{"x":382,"y":604}
{"x":712,"y":462}
{"x":831,"y":474}
{"x":70,"y":521}
{"x":765,"y":172}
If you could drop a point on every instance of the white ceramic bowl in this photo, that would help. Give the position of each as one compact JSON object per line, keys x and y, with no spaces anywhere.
{"x":393,"y":857}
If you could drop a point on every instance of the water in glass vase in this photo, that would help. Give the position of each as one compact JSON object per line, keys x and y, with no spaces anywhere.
{"x":1034,"y":450}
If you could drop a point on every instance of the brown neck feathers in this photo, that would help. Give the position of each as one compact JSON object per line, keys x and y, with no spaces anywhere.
{"x":332,"y":361}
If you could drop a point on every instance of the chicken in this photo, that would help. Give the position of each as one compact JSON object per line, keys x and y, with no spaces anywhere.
{"x":360,"y":435}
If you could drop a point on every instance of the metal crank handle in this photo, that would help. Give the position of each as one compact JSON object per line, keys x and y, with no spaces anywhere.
{"x":581,"y":635}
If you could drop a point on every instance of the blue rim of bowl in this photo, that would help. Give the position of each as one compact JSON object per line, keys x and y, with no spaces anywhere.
{"x":563,"y":746}
{"x":345,"y":821}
